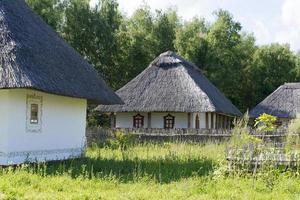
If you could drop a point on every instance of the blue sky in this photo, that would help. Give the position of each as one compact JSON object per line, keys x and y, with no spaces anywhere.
{"x":269,"y":20}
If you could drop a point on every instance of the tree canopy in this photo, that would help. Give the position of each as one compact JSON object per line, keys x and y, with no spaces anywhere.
{"x":120,"y":47}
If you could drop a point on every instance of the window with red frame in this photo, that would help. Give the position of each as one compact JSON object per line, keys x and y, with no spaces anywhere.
{"x":138,"y":121}
{"x":169,"y":121}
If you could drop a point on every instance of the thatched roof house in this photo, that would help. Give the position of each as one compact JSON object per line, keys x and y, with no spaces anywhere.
{"x":44,"y":88}
{"x":33,"y":56}
{"x":283,"y":103}
{"x":171,"y":85}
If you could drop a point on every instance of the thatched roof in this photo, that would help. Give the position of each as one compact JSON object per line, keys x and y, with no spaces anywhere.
{"x":171,"y":84}
{"x":33,"y":56}
{"x":284,"y":102}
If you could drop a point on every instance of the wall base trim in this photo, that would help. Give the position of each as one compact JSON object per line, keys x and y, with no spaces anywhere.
{"x":13,"y":158}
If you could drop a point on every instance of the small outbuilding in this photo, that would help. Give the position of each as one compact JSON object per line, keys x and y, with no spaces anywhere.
{"x":44,"y":89}
{"x":171,"y":93}
{"x":284,"y":103}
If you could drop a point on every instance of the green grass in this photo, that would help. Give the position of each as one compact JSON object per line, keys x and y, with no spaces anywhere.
{"x":145,"y":171}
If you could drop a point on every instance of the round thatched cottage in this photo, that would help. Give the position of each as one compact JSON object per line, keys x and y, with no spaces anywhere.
{"x":284,"y":103}
{"x":44,"y":89}
{"x":171,"y":93}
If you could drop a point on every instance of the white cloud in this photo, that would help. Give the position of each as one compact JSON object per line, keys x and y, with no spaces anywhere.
{"x":262,"y":32}
{"x":290,"y":12}
{"x":289,"y":31}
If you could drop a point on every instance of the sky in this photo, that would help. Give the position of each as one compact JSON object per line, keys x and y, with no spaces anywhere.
{"x":269,"y":20}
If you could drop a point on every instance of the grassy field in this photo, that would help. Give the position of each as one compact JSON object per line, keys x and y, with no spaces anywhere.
{"x":145,"y":171}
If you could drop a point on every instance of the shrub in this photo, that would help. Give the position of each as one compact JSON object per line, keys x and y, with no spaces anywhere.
{"x":265,"y":123}
{"x":293,"y":137}
{"x":120,"y":140}
{"x":241,"y":136}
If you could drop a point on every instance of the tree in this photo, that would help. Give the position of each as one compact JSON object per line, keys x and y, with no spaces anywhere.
{"x":165,"y":24}
{"x":93,"y":32}
{"x":191,"y":42}
{"x":247,"y":48}
{"x":51,"y":11}
{"x":224,"y":67}
{"x":121,"y":47}
{"x":272,"y":66}
{"x":142,"y":44}
{"x":297,"y":68}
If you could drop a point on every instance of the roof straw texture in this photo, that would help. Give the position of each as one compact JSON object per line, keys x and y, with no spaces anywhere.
{"x":171,"y":84}
{"x":284,"y":102}
{"x":33,"y":56}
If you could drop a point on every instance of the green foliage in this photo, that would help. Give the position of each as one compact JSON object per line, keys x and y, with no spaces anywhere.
{"x":96,"y":119}
{"x":269,"y":175}
{"x":52,"y":11}
{"x":252,"y":156}
{"x":272,"y":66}
{"x":293,"y":137}
{"x":241,"y":134}
{"x":120,"y":47}
{"x":191,"y":41}
{"x":165,"y":24}
{"x":120,"y":140}
{"x":265,"y":123}
{"x":148,"y":171}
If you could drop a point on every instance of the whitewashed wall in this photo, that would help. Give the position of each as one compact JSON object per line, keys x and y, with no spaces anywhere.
{"x":4,"y":101}
{"x":157,"y":120}
{"x":125,"y":120}
{"x":202,"y":120}
{"x":62,"y":132}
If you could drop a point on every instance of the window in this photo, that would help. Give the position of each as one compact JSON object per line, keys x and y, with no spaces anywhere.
{"x":197,"y":122}
{"x":34,"y":113}
{"x":138,"y":121}
{"x":169,"y":121}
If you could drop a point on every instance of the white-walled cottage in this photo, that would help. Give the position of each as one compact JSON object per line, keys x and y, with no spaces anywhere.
{"x":44,"y":89}
{"x":171,"y":93}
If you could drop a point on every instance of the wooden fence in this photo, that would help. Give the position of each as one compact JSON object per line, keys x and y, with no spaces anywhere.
{"x":256,"y":161}
{"x":99,"y":135}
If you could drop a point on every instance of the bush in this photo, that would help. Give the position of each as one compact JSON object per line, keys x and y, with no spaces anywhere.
{"x":120,"y":140}
{"x":265,"y":123}
{"x":293,"y":137}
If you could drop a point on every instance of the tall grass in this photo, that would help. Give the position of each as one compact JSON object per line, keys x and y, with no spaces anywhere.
{"x":143,"y":171}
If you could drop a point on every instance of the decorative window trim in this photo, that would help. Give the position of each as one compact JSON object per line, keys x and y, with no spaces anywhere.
{"x":38,"y":101}
{"x":136,"y":118}
{"x":169,"y":121}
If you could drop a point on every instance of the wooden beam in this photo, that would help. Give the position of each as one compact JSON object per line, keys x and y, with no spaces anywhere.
{"x":149,"y":120}
{"x":206,"y":120}
{"x":223,"y":121}
{"x":212,"y":123}
{"x":229,"y":123}
{"x":216,"y":122}
{"x":112,"y":120}
{"x":189,"y":120}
